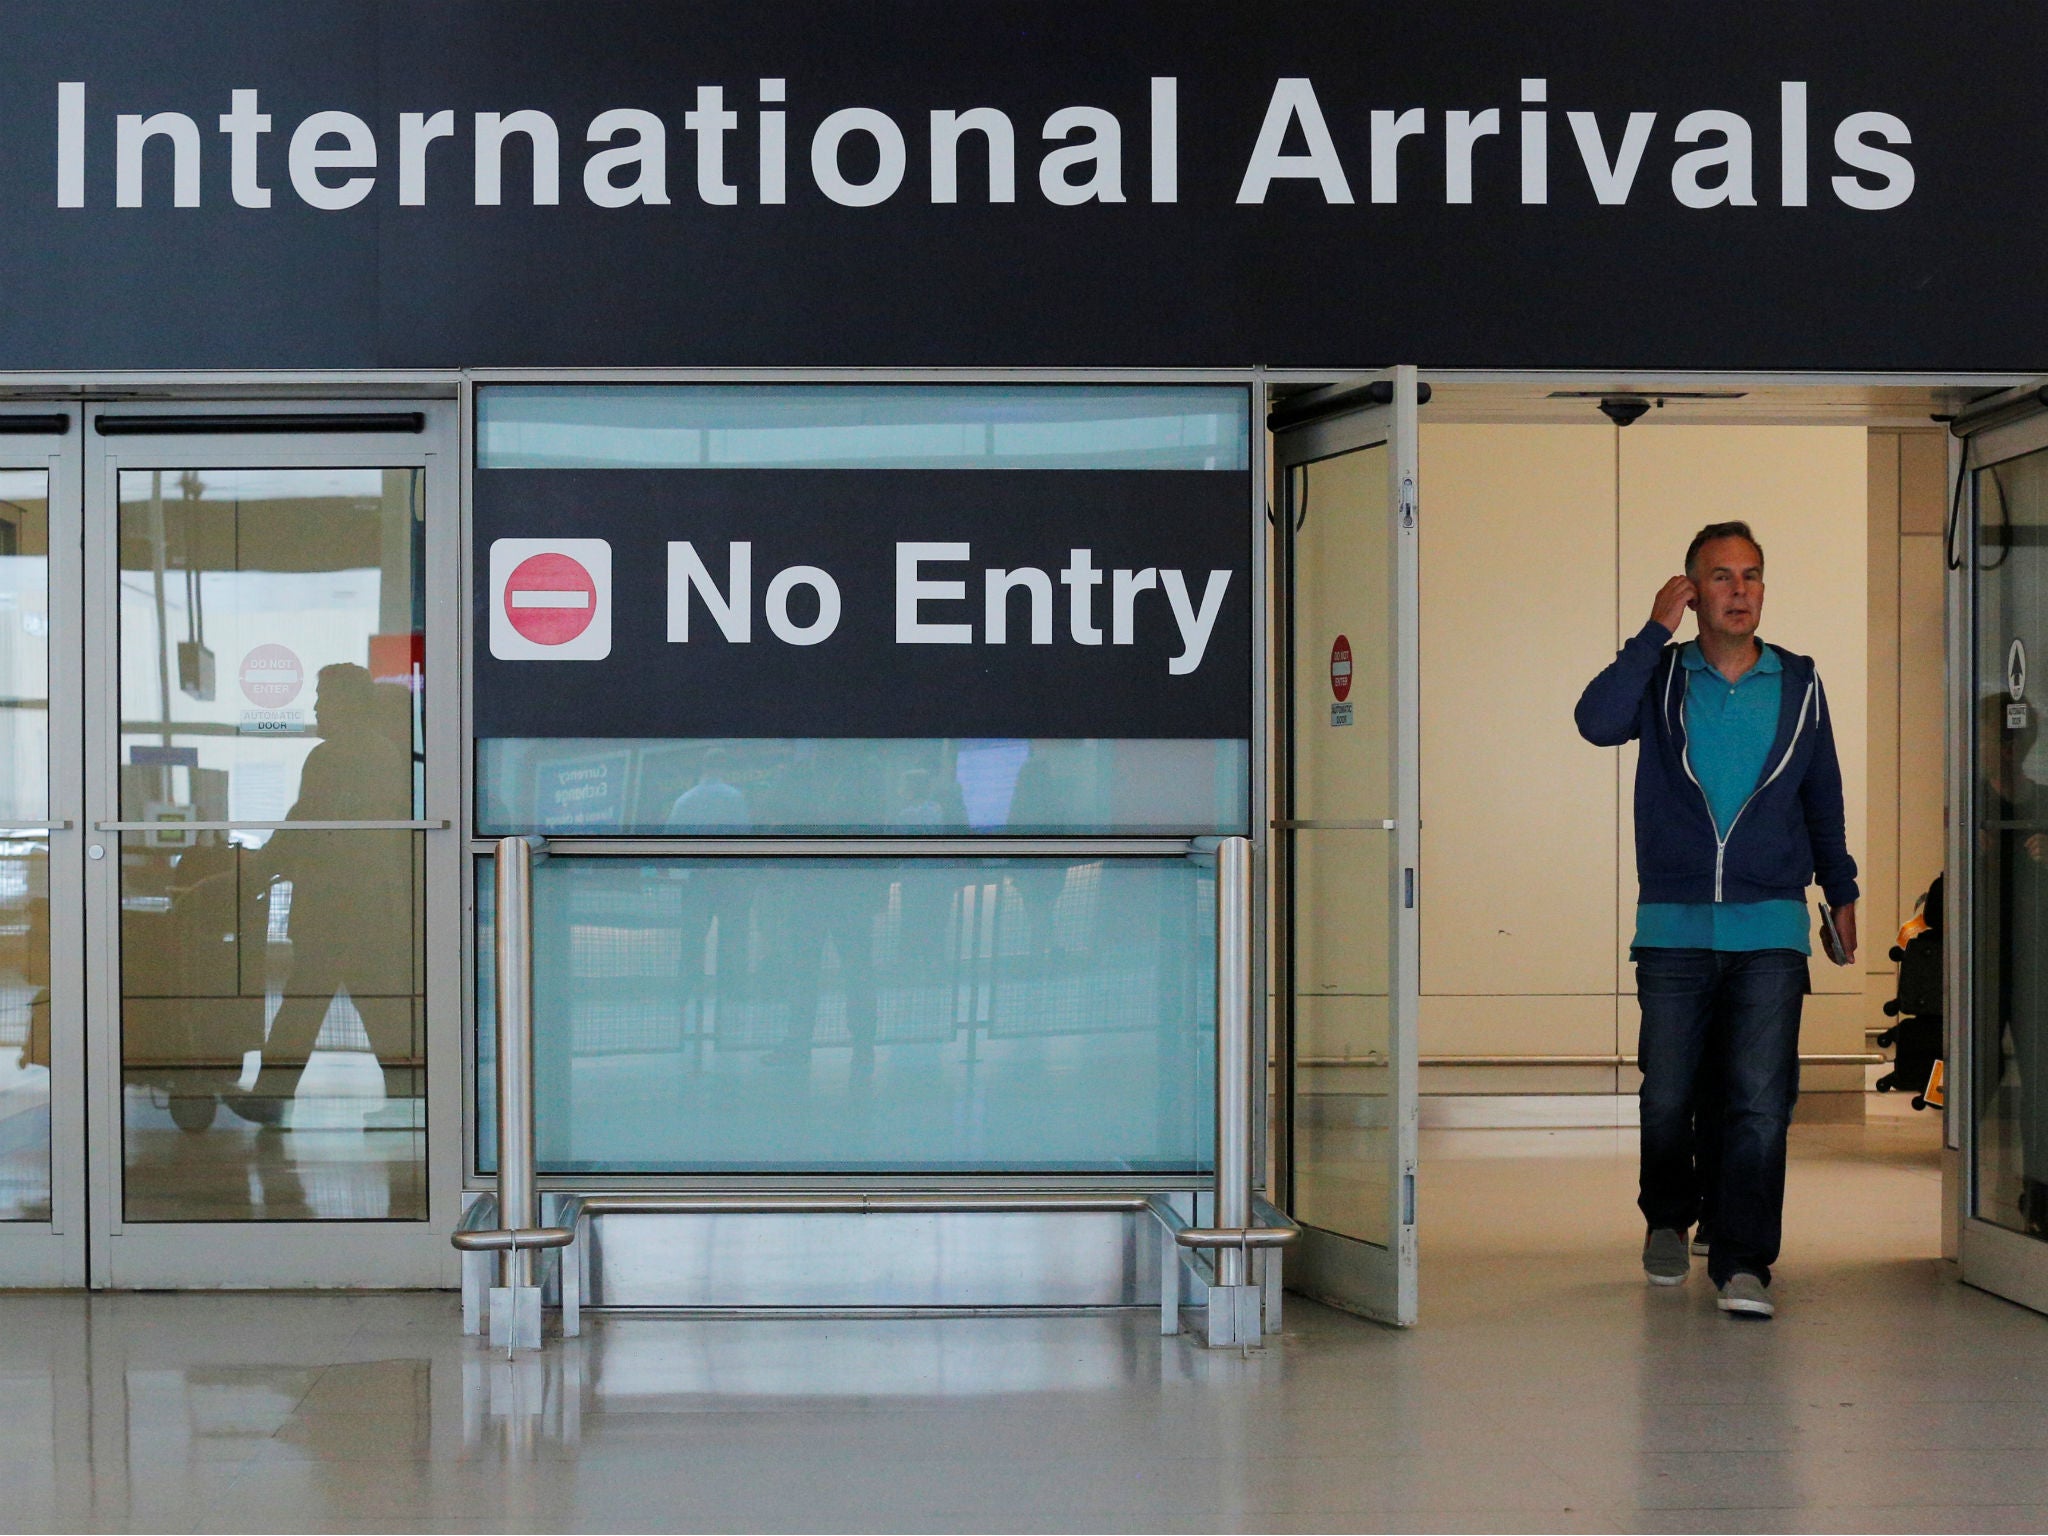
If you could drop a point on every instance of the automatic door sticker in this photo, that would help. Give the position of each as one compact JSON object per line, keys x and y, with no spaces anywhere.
{"x":271,"y":677}
{"x":551,"y":599}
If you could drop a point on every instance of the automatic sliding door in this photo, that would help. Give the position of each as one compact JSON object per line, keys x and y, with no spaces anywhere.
{"x":272,"y":765}
{"x":2004,"y":1090}
{"x":1999,"y":842}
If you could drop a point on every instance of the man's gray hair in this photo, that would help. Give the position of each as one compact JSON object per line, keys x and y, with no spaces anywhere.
{"x":1714,"y":531}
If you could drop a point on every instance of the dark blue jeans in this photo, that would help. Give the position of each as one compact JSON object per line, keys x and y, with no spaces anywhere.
{"x":1726,"y":1022}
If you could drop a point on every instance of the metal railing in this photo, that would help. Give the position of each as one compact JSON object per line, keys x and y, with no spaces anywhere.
{"x":1243,"y":1226}
{"x":514,"y":1306}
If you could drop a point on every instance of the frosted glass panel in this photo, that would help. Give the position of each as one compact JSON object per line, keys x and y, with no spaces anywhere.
{"x":865,"y":1015}
{"x":912,"y":787}
{"x":861,"y":426}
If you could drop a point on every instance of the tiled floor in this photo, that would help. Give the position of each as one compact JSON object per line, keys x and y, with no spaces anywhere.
{"x":1548,"y":1388}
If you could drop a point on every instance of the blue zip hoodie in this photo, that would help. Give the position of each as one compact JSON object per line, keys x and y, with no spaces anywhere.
{"x":1790,"y":828}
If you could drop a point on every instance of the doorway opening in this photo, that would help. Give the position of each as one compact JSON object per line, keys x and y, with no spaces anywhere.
{"x":1552,"y":510}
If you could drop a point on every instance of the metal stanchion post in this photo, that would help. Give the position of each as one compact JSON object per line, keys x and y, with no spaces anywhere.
{"x":517,"y":1203}
{"x":1233,"y":1049}
{"x":1234,"y":1310}
{"x":514,"y":1306}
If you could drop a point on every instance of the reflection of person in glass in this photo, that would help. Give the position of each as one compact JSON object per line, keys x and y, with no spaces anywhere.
{"x":711,"y":801}
{"x":714,"y":918}
{"x":351,"y":918}
{"x":2015,"y":858}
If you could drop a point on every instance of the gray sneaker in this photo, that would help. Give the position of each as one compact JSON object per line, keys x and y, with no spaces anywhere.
{"x":1665,"y":1260}
{"x":1746,"y":1296}
{"x":1702,"y":1241}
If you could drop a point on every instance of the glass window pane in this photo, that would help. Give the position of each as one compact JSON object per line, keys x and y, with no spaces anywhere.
{"x":24,"y":859}
{"x":862,"y":426}
{"x":581,"y":786}
{"x":865,"y":1015}
{"x":1343,"y":1146}
{"x":1343,"y":917}
{"x":272,"y":983}
{"x":2011,"y":987}
{"x":1344,"y":761}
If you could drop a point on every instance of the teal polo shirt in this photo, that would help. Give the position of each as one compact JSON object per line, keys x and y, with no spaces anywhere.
{"x":1729,"y":728}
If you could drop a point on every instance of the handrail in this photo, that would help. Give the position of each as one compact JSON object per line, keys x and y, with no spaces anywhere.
{"x":1271,"y":1228}
{"x":515,"y":1300}
{"x":720,"y":1203}
{"x":1611,"y":1059}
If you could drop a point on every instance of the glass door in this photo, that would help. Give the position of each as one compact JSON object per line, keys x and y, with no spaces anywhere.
{"x":1999,"y":992}
{"x":42,"y":1068}
{"x":1345,"y":900}
{"x":271,"y":874}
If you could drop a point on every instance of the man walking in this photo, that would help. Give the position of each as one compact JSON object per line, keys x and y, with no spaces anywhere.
{"x":1738,"y":805}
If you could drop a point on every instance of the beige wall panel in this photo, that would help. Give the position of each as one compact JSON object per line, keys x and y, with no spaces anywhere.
{"x":1518,"y":842}
{"x":1832,"y":1023}
{"x":1922,"y":722}
{"x":1880,"y":860}
{"x":1923,"y":491}
{"x":1464,"y":1080}
{"x":1806,"y":491}
{"x":1518,"y":1026}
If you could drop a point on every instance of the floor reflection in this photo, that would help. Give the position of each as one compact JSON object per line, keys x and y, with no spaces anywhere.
{"x":1547,"y":1388}
{"x":343,"y":1151}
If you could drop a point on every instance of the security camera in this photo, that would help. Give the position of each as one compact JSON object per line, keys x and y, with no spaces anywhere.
{"x":1623,"y":409}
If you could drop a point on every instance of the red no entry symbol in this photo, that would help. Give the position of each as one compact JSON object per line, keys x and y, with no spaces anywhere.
{"x":550,"y":599}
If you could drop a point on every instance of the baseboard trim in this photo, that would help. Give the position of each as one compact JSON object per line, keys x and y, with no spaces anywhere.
{"x":1593,"y":1111}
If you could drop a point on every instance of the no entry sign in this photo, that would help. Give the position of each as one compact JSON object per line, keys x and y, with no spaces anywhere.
{"x":1340,"y":668}
{"x":551,"y":599}
{"x":864,"y":603}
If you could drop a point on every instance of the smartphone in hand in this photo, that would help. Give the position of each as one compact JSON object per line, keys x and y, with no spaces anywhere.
{"x":1831,"y":936}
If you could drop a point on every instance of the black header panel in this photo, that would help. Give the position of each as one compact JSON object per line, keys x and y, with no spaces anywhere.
{"x":380,"y":183}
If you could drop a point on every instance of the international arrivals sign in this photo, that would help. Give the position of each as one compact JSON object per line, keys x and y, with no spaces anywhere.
{"x":365,"y":183}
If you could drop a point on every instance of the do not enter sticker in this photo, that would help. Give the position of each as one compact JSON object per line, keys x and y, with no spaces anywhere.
{"x":1340,"y":680}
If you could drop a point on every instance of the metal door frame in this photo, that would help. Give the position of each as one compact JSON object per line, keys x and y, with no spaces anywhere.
{"x":272,"y":1253}
{"x":1379,"y":1282}
{"x":53,"y":1252}
{"x":1993,"y":1258}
